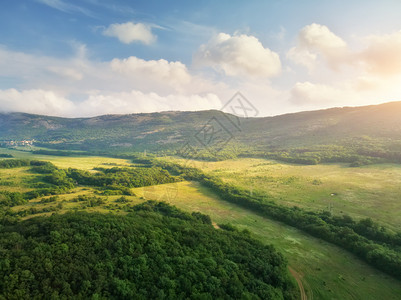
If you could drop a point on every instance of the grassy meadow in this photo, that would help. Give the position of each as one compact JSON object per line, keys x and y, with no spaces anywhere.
{"x":327,"y":271}
{"x":369,"y":191}
{"x":78,"y":162}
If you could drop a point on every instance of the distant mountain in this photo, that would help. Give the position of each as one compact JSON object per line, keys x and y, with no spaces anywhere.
{"x":377,"y":127}
{"x":329,"y":125}
{"x":135,"y":131}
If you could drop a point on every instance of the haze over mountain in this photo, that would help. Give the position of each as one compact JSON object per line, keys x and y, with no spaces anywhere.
{"x":170,"y":131}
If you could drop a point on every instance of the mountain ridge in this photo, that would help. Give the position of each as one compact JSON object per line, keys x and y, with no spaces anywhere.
{"x":377,"y":126}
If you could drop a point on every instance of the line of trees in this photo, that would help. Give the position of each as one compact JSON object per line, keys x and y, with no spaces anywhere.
{"x":14,"y":163}
{"x":362,"y":238}
{"x":54,"y":181}
{"x":115,"y":181}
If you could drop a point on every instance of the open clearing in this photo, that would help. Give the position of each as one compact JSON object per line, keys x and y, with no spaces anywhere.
{"x":328,"y":271}
{"x":78,"y":162}
{"x":370,"y":191}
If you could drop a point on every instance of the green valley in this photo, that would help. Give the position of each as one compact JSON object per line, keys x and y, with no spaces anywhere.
{"x":327,"y":272}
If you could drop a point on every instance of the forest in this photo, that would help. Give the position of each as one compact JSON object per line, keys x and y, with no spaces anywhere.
{"x":156,"y":251}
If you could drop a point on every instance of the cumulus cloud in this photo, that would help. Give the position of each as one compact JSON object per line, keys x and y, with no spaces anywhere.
{"x":321,"y":38}
{"x":78,"y":86}
{"x":129,"y":32}
{"x":318,"y":39}
{"x":238,"y":55}
{"x":34,"y":101}
{"x":49,"y":103}
{"x":78,"y":74}
{"x":175,"y":72}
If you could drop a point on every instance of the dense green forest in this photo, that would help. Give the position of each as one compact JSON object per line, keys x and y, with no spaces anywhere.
{"x":154,"y":252}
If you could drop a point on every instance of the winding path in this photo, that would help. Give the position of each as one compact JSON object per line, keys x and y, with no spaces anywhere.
{"x":299,"y":281}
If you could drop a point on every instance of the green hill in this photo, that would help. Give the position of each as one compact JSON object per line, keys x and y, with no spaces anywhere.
{"x":351,"y":134}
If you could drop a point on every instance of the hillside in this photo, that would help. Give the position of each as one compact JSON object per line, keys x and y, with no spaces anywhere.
{"x":327,"y":126}
{"x":361,"y":130}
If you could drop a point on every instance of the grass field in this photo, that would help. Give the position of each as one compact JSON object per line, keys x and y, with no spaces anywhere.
{"x":328,"y":272}
{"x":370,"y":191}
{"x":15,"y":180}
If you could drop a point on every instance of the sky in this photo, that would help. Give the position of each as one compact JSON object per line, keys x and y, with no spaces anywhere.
{"x":82,"y":58}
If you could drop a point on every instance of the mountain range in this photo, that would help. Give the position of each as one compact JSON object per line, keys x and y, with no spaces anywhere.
{"x":375,"y":127}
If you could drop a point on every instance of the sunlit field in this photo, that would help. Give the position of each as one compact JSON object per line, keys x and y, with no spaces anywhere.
{"x":369,"y":191}
{"x":327,"y":271}
{"x":78,"y":162}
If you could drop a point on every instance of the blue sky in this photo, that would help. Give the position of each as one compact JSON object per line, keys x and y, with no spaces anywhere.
{"x":91,"y":57}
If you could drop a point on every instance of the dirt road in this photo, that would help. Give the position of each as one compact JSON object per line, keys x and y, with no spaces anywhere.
{"x":299,"y":281}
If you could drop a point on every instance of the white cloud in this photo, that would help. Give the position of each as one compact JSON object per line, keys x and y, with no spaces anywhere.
{"x":49,"y":103}
{"x":380,"y":57}
{"x":238,"y":55}
{"x":366,"y":76}
{"x":43,"y":72}
{"x":78,"y":74}
{"x":321,"y":38}
{"x":318,"y":39}
{"x":129,"y":32}
{"x":34,"y":101}
{"x":175,"y":73}
{"x":137,"y":102}
{"x":77,"y":86}
{"x":68,"y":73}
{"x":302,"y":57}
